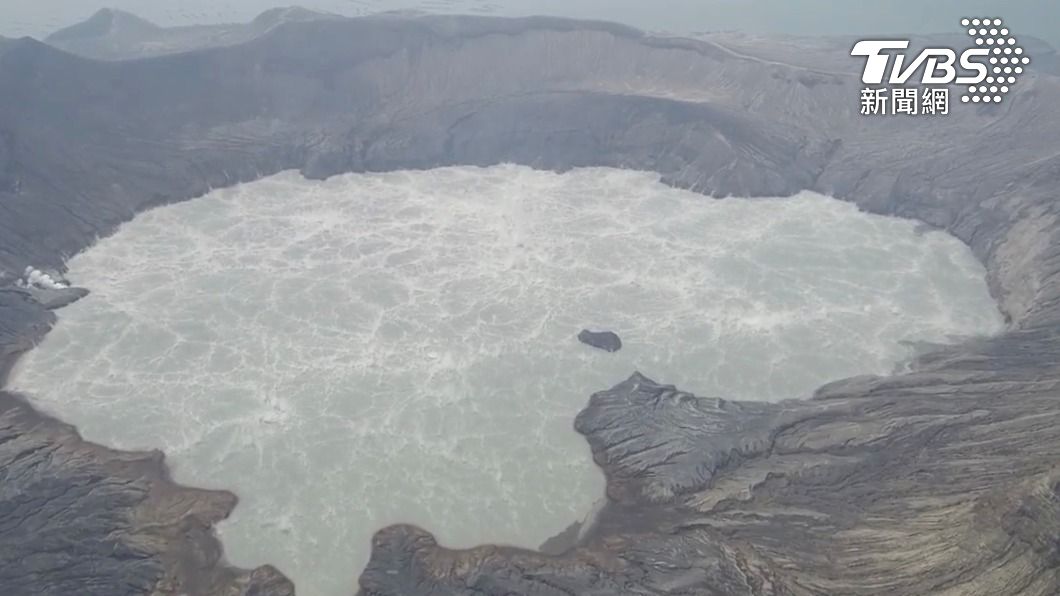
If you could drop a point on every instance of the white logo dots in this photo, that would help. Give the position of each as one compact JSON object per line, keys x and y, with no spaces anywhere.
{"x":1005,"y":52}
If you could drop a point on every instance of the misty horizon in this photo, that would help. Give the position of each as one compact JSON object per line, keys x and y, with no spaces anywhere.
{"x":677,"y":17}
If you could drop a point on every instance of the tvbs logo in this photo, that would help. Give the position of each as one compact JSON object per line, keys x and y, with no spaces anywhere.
{"x":938,"y":63}
{"x":989,"y":69}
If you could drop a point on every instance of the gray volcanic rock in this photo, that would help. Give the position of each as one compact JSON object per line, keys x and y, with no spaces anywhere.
{"x":23,"y":321}
{"x":77,"y":518}
{"x":604,"y":340}
{"x":943,"y":480}
{"x":52,"y":299}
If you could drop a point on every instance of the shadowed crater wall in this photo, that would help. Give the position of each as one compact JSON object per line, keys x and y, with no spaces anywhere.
{"x":942,"y":480}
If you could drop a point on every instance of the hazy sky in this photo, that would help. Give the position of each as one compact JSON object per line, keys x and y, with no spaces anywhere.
{"x":1040,"y":18}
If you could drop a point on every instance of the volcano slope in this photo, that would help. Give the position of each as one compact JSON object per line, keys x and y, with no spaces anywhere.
{"x":943,"y":480}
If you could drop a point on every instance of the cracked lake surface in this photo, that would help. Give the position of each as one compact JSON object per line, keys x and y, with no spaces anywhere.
{"x":400,"y":347}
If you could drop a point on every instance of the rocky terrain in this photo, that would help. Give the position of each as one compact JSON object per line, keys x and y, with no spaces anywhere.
{"x":603,"y":340}
{"x":944,"y":480}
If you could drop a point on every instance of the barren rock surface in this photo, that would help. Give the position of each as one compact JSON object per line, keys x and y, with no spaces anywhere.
{"x":603,"y":340}
{"x":941,"y":481}
{"x":78,"y":518}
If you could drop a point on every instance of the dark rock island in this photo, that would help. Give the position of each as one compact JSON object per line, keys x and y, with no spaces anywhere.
{"x":942,"y":480}
{"x":605,"y":340}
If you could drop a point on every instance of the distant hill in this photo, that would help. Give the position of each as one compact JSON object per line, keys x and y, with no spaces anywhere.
{"x":112,"y":34}
{"x":105,"y":23}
